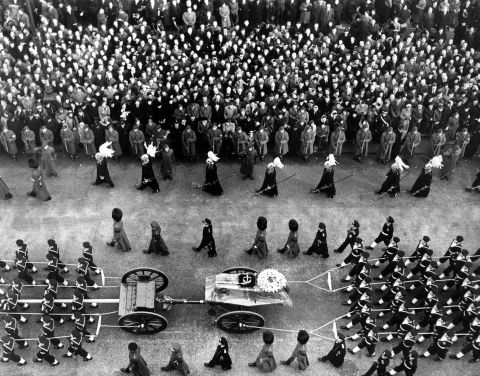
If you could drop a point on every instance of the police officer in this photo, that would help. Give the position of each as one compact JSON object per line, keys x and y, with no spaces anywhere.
{"x":352,"y":235}
{"x":9,"y":353}
{"x":44,"y":352}
{"x":75,"y":348}
{"x":385,"y":235}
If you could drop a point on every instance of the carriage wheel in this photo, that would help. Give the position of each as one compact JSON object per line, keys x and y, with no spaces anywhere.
{"x":143,"y":322}
{"x":146,"y":275}
{"x":240,"y":270}
{"x":240,"y":321}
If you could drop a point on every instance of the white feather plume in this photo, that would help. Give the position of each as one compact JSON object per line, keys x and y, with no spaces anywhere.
{"x":278,"y":163}
{"x":399,"y":164}
{"x":330,"y":161}
{"x":436,"y":162}
{"x":151,"y":150}
{"x":211,"y":155}
{"x":105,"y":151}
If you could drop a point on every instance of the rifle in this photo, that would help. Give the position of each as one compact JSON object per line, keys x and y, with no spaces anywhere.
{"x":270,"y":187}
{"x":329,"y":185}
{"x":198,"y":186}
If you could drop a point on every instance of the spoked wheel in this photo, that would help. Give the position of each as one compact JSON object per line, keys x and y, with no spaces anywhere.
{"x":239,"y":270}
{"x":240,"y":322}
{"x":146,"y":275}
{"x":143,"y":322}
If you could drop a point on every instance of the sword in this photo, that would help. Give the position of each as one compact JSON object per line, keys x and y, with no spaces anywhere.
{"x":329,"y":185}
{"x":389,"y":189}
{"x":419,"y":190}
{"x":269,"y":187}
{"x":198,"y":186}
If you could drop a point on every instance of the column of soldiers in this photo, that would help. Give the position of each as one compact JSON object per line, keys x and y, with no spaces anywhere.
{"x":416,"y":304}
{"x":49,"y":318}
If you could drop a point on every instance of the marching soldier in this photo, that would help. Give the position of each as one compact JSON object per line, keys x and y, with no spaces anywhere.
{"x":88,"y":255}
{"x":352,"y":235}
{"x":177,"y":361}
{"x":405,"y":347}
{"x":409,"y":365}
{"x":11,"y":306}
{"x":407,"y":325}
{"x":22,"y":269}
{"x":78,"y":305}
{"x":473,"y":344}
{"x":207,"y":239}
{"x":369,"y":342}
{"x":421,"y":249}
{"x":437,"y":325}
{"x":22,"y":252}
{"x":385,"y":235}
{"x":399,"y":315}
{"x":44,"y":352}
{"x":453,"y":251}
{"x":336,"y":356}
{"x":380,"y":365}
{"x":82,"y":270}
{"x":53,"y":270}
{"x":389,"y":253}
{"x":9,"y":353}
{"x":81,"y":326}
{"x":466,"y":317}
{"x":439,"y":347}
{"x":11,"y":329}
{"x":75,"y":347}
{"x":361,"y":270}
{"x":429,"y":288}
{"x":48,"y":304}
{"x":52,"y":288}
{"x":55,"y":251}
{"x":17,"y":287}
{"x":48,"y":327}
{"x":355,"y":254}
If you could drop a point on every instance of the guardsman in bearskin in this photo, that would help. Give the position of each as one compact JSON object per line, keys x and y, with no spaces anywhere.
{"x":9,"y":353}
{"x":75,"y":347}
{"x":48,"y":327}
{"x":385,"y":235}
{"x":44,"y":351}
{"x":260,"y":247}
{"x":336,"y":356}
{"x":55,"y":251}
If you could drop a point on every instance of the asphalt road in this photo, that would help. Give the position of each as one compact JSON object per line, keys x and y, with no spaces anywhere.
{"x":81,"y":212}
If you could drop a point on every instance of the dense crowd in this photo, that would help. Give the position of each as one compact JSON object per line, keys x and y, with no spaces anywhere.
{"x":285,"y":76}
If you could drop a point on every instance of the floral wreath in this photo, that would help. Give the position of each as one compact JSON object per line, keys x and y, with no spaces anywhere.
{"x":271,"y":280}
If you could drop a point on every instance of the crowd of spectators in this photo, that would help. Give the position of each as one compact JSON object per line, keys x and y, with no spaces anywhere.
{"x":224,"y":74}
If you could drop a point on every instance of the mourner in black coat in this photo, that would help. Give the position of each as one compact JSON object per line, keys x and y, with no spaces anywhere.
{"x":221,"y":356}
{"x":421,"y":187}
{"x":207,"y":239}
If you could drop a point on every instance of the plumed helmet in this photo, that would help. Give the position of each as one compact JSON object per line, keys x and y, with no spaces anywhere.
{"x":302,"y":336}
{"x":268,"y":337}
{"x":293,"y":225}
{"x":117,"y":214}
{"x":262,"y":223}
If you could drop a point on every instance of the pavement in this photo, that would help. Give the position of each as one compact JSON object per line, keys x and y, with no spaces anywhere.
{"x":81,"y":212}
